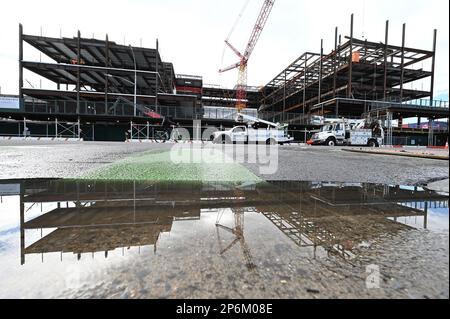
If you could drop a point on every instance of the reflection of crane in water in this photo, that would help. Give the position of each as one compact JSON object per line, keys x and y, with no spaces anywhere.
{"x":237,"y":231}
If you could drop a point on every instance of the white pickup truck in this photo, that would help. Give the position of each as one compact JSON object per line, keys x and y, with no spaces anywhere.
{"x":275,"y":133}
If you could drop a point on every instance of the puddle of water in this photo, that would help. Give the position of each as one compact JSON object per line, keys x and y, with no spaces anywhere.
{"x":78,"y":238}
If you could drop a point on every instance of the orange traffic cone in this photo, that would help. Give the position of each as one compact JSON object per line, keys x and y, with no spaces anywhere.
{"x":446,"y":145}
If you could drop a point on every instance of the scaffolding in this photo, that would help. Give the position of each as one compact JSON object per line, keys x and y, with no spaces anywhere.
{"x":42,"y":129}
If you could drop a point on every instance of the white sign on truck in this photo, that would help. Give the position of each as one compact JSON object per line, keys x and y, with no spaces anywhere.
{"x":275,"y":133}
{"x":10,"y":103}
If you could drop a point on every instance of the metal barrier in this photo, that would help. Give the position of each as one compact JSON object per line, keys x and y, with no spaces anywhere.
{"x":43,"y":129}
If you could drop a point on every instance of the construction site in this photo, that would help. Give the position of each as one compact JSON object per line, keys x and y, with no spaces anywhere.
{"x":102,"y":90}
{"x":121,"y":177}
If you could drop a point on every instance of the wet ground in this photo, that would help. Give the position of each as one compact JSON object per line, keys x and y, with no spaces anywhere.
{"x":137,"y":220}
{"x":257,"y":239}
{"x":63,"y":160}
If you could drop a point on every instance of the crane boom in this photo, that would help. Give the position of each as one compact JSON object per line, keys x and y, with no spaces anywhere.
{"x":241,"y":87}
{"x":259,"y":26}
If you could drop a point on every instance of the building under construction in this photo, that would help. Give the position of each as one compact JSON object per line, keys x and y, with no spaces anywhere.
{"x":101,"y":86}
{"x":358,"y":78}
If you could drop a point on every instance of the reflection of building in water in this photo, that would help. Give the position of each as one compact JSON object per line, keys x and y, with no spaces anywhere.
{"x":99,"y":216}
{"x":338,"y":217}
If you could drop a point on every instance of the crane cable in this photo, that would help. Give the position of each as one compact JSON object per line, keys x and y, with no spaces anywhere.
{"x":364,"y":19}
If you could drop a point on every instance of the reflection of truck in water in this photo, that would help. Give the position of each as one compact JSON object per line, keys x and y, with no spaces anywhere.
{"x":349,"y":132}
{"x":256,"y":131}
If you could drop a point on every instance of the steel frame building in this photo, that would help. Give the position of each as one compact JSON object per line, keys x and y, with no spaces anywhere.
{"x":358,"y":77}
{"x":100,"y":81}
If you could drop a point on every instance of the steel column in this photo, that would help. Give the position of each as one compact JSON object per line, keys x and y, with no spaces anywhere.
{"x":430,"y":132}
{"x":334,"y":61}
{"x":350,"y":69}
{"x":320,"y":72}
{"x":25,"y":129}
{"x":385,"y":60}
{"x":433,"y":65}
{"x":78,"y":70}
{"x":304,"y":86}
{"x":79,"y":129}
{"x":403,"y":62}
{"x":106,"y":75}
{"x":20,"y":62}
{"x":157,"y":73}
{"x":22,"y":223}
{"x":284,"y":96}
{"x":337,"y":108}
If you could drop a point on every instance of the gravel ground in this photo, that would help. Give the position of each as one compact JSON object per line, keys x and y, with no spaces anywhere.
{"x":58,"y":160}
{"x":333,"y":164}
{"x":26,"y":159}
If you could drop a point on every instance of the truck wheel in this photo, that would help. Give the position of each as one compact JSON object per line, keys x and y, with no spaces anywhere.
{"x":373,"y":143}
{"x":330,"y":142}
{"x":271,"y":141}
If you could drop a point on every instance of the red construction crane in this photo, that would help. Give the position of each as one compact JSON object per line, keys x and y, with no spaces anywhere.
{"x":241,"y":89}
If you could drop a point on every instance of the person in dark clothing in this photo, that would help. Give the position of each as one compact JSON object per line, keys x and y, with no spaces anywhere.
{"x":168,"y":125}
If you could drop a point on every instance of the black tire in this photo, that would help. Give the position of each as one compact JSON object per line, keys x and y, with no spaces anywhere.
{"x":271,"y":141}
{"x":373,"y":143}
{"x":331,"y":142}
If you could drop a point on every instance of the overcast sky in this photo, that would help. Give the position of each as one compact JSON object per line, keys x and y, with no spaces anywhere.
{"x":191,"y":32}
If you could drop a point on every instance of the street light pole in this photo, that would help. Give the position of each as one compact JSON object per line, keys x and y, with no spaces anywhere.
{"x":135,"y":80}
